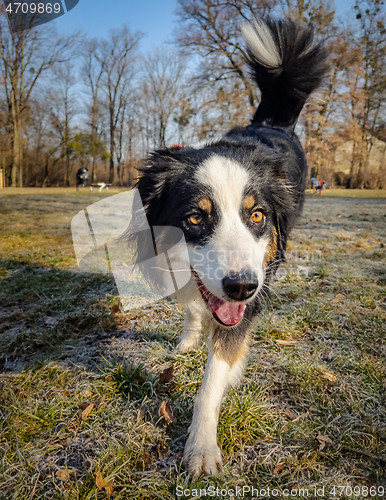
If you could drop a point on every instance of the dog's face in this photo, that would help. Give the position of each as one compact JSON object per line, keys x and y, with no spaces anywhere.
{"x":230,"y":208}
{"x":228,"y":226}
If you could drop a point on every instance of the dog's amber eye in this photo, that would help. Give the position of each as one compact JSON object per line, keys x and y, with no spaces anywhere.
{"x":195,"y":219}
{"x":257,"y":217}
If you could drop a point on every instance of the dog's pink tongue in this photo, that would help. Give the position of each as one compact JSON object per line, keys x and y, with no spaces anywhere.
{"x":230,"y":313}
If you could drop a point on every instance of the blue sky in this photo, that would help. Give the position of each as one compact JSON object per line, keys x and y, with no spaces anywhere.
{"x":155,"y":18}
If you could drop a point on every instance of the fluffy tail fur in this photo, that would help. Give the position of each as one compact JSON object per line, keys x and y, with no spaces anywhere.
{"x":287,"y":66}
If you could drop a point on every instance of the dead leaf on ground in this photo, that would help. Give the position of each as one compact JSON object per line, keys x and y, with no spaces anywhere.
{"x":288,"y":413}
{"x":286,"y":342}
{"x":101,"y":483}
{"x":327,"y":375}
{"x":323,"y":440}
{"x":116,"y":308}
{"x":166,"y":375}
{"x":278,"y":469}
{"x":87,"y":411}
{"x":109,"y":491}
{"x":64,"y":474}
{"x":166,"y":412}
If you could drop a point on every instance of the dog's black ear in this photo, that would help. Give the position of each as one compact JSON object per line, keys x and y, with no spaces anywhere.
{"x":147,"y":203}
{"x":287,"y":192}
{"x":153,"y":177}
{"x":146,"y":234}
{"x":283,"y":213}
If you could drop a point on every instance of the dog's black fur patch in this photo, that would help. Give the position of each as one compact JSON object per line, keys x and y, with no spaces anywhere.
{"x":253,"y":180}
{"x":268,"y":149}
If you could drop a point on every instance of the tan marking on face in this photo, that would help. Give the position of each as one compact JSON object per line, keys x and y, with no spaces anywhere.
{"x":231,"y":352}
{"x":249,"y":202}
{"x":271,"y":250}
{"x":205,"y":204}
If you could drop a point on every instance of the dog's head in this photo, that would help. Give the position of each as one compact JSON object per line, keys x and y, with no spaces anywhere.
{"x":234,"y":200}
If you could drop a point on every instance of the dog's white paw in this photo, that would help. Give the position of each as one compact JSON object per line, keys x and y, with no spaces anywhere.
{"x":188,"y":340}
{"x":186,"y":344}
{"x":202,"y":460}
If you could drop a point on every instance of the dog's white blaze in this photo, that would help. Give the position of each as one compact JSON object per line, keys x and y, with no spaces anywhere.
{"x":261,"y":43}
{"x":227,"y":180}
{"x":232,"y":247}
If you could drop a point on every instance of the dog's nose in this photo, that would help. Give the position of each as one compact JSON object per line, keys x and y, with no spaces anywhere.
{"x":240,"y":286}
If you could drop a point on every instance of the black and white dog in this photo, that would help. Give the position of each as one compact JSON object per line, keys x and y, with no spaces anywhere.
{"x":236,"y":200}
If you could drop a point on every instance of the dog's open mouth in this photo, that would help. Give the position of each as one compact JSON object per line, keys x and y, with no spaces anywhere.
{"x":225,"y":313}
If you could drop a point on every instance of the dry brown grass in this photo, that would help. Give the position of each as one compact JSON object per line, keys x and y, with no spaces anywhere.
{"x":310,"y":413}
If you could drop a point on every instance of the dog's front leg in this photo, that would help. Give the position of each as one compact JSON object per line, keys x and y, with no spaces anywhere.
{"x":225,"y":367}
{"x":192,"y":328}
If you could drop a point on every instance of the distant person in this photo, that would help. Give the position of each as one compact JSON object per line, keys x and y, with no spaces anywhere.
{"x":319,"y":185}
{"x":82,"y":177}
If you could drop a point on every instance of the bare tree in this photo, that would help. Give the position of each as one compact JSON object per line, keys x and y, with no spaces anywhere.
{"x":133,"y":140}
{"x":370,"y":38}
{"x":211,"y":30}
{"x":25,"y":57}
{"x":163,"y":73}
{"x":116,"y":57}
{"x":92,"y":71}
{"x":317,"y":13}
{"x":121,"y":133}
{"x":63,"y":111}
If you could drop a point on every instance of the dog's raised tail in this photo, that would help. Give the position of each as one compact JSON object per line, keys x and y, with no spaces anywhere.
{"x":287,"y":65}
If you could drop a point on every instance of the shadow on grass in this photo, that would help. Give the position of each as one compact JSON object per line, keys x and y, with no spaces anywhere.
{"x":41,"y":308}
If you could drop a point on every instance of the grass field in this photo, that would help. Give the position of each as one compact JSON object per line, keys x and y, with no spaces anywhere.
{"x":80,"y":390}
{"x":350,"y":193}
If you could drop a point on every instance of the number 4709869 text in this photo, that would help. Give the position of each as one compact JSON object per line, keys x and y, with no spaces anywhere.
{"x":33,"y":8}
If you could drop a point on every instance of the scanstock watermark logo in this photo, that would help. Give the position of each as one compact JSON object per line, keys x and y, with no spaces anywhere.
{"x":150,"y":263}
{"x":106,"y":242}
{"x":28,"y":14}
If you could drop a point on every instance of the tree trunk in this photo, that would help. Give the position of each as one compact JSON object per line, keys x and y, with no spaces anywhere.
{"x":112,"y":148}
{"x":16,"y":157}
{"x":93,"y":172}
{"x":45,"y":173}
{"x":16,"y":160}
{"x":67,"y":140}
{"x":94,"y":137}
{"x":67,"y":168}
